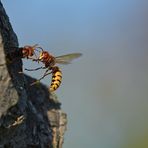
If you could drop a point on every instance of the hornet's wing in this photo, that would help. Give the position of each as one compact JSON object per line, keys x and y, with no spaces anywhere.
{"x":66,"y":59}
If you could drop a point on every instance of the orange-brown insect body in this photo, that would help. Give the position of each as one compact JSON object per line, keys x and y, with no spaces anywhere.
{"x":27,"y":51}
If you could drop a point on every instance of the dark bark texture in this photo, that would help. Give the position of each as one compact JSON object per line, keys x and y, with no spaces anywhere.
{"x":30,"y":117}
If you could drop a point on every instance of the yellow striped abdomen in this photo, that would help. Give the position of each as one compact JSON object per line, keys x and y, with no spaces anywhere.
{"x":56,"y":78}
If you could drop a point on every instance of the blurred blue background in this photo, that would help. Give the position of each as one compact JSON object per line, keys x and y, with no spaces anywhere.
{"x":105,"y":92}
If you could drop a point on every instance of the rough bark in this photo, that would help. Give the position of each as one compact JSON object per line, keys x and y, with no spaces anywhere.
{"x":30,"y":117}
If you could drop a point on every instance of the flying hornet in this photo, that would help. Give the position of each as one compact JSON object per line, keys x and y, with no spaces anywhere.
{"x":50,"y":63}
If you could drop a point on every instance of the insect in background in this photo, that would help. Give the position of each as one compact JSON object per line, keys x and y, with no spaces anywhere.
{"x":22,"y":52}
{"x":29,"y":51}
{"x":50,"y":62}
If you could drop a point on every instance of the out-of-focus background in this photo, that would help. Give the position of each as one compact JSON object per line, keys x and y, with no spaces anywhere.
{"x":105,"y":92}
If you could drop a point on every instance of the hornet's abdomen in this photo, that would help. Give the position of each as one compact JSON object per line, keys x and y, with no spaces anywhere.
{"x":56,"y":78}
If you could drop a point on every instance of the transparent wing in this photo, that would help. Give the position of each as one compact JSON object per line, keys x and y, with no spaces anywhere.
{"x":66,"y":59}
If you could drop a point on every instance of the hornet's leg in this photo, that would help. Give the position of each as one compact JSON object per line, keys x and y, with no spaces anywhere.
{"x":21,"y":72}
{"x":33,"y":59}
{"x":35,"y":56}
{"x":35,"y":68}
{"x":45,"y":74}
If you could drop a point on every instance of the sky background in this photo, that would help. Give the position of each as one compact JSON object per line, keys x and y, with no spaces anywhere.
{"x":105,"y":92}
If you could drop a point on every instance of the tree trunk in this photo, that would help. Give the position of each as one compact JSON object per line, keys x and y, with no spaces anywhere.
{"x":30,"y":117}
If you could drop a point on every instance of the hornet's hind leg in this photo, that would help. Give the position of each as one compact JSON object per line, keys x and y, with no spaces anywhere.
{"x":45,"y":74}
